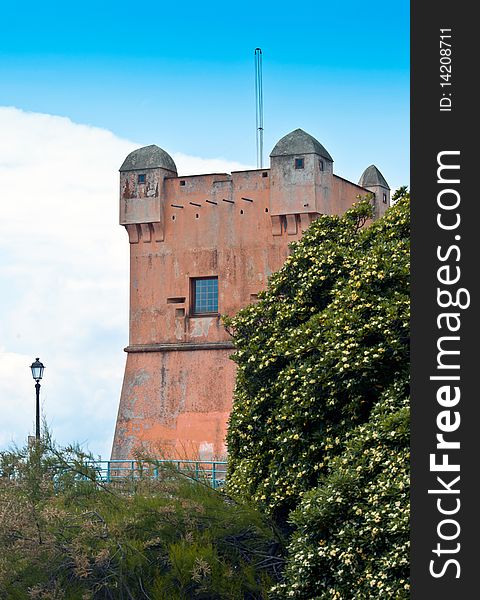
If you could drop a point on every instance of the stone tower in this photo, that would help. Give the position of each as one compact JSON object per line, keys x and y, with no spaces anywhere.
{"x":202,"y":246}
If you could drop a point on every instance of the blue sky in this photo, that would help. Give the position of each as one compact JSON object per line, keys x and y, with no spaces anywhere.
{"x":181,"y":75}
{"x":82,"y":84}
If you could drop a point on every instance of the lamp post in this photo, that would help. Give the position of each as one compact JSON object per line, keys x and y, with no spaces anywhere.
{"x":37,"y":373}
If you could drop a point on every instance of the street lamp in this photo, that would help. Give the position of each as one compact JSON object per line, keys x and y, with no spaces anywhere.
{"x":37,"y":373}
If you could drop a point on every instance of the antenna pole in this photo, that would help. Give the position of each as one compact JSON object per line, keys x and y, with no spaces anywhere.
{"x":259,"y":106}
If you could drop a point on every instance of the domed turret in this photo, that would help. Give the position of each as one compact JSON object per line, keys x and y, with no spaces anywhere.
{"x":375,"y":182}
{"x":372,"y":177}
{"x":142,"y":176}
{"x":301,"y":176}
{"x":148,"y":157}
{"x":299,"y":142}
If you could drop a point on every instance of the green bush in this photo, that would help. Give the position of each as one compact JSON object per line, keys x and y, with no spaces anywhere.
{"x":64,"y":535}
{"x":320,"y":409}
{"x":352,"y":530}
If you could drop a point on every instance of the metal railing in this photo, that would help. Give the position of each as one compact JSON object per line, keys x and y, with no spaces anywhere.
{"x":108,"y":471}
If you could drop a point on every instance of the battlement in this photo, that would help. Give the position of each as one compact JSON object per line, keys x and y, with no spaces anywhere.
{"x":212,"y":203}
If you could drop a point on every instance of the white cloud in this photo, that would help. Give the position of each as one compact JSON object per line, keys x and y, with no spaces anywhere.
{"x":64,"y":274}
{"x":191,"y":165}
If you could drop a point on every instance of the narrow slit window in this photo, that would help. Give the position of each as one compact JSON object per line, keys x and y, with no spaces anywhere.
{"x":205,"y":295}
{"x":299,"y":163}
{"x":176,"y":300}
{"x":384,"y":198}
{"x":322,"y":166}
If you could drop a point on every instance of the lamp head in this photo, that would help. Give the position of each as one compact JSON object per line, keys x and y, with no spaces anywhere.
{"x":37,"y":370}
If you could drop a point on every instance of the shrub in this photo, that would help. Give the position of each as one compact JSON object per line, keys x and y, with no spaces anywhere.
{"x":65,"y":535}
{"x":319,"y":423}
{"x":352,"y":530}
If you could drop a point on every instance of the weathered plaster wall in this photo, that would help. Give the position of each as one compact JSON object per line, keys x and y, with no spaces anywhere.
{"x":176,"y":403}
{"x":344,"y":191}
{"x":380,"y":204}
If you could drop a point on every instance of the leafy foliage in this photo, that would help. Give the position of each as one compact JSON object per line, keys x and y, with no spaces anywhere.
{"x":352,"y":533}
{"x":320,"y":419}
{"x":65,"y":535}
